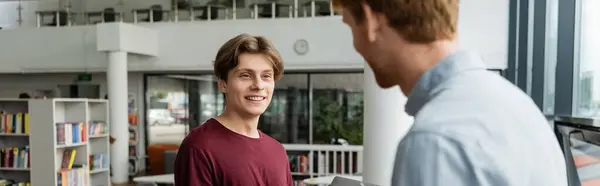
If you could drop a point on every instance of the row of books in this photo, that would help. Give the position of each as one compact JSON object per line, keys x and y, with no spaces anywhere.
{"x":99,"y":161}
{"x":298,"y":183}
{"x":299,"y":163}
{"x":76,"y":176}
{"x":98,"y":128}
{"x":70,"y":133}
{"x":14,"y":157}
{"x":14,"y":123}
{"x":9,"y":182}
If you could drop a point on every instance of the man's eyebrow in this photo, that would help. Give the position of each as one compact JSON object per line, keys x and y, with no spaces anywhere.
{"x":251,"y":70}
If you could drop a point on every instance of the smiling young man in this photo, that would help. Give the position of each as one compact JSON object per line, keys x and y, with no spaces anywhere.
{"x":229,"y":150}
{"x":472,"y":127}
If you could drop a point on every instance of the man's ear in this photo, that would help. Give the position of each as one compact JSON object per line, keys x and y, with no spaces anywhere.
{"x":222,"y":86}
{"x":371,"y":21}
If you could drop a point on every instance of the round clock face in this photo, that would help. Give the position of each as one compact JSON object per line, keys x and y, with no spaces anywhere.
{"x":301,"y":46}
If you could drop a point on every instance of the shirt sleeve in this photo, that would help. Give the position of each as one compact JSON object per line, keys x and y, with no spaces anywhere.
{"x":192,"y":168}
{"x":426,"y":159}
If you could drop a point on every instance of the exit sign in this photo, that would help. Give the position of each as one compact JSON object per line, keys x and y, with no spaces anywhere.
{"x":84,"y":77}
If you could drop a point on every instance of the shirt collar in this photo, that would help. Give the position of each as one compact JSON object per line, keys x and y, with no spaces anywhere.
{"x":428,"y":84}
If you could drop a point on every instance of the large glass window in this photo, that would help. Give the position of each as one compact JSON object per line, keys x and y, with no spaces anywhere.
{"x":178,"y":103}
{"x":551,"y":50}
{"x":167,"y":109}
{"x":287,"y":117}
{"x":337,"y":108}
{"x":588,"y":80}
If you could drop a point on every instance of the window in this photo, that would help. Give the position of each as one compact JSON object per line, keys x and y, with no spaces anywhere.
{"x":167,"y":110}
{"x":178,"y":103}
{"x":551,"y":50}
{"x":286,"y":118}
{"x":587,"y":97}
{"x":337,"y":108}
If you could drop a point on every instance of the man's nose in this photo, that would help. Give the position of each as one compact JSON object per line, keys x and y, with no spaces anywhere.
{"x":258,"y":84}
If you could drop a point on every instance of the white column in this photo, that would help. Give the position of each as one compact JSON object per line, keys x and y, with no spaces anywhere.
{"x":116,"y":76}
{"x":385,"y":123}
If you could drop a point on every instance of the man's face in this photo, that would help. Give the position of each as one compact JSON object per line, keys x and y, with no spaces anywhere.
{"x":367,"y":43}
{"x":250,"y":85}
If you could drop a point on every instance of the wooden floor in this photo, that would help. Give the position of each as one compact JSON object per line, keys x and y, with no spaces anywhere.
{"x":128,"y":184}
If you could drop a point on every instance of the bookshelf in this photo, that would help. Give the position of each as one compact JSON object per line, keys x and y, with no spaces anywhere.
{"x":14,"y":140}
{"x":69,"y":141}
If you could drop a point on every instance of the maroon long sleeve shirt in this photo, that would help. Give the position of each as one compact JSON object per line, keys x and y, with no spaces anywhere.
{"x":212,"y":155}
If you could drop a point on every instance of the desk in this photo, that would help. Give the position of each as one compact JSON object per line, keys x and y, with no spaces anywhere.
{"x":324,"y":8}
{"x":156,"y":179}
{"x":591,"y":124}
{"x":273,"y":6}
{"x":151,"y":14}
{"x":326,"y":180}
{"x":61,"y":18}
{"x":102,"y":14}
{"x":209,"y":11}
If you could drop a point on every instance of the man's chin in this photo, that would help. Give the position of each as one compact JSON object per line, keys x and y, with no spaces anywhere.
{"x":255,"y":112}
{"x":383,"y":83}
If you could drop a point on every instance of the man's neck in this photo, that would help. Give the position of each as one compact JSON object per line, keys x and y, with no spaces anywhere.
{"x":418,"y":59}
{"x":247,"y":126}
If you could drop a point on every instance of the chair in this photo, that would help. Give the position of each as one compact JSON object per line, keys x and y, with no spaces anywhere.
{"x":214,"y":13}
{"x":169,"y":161}
{"x":157,"y":13}
{"x":322,"y":8}
{"x":62,"y":19}
{"x":109,"y":15}
{"x":267,"y":10}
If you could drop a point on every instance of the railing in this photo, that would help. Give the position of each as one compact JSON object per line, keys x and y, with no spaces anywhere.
{"x":63,"y":13}
{"x":323,"y":160}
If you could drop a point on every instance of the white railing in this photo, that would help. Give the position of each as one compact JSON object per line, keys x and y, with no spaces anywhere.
{"x":64,"y":13}
{"x":324,"y":160}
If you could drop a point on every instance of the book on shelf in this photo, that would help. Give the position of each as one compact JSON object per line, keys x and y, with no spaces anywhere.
{"x":299,"y":163}
{"x":78,"y":175}
{"x":14,"y":123}
{"x":132,"y":151}
{"x":68,"y":158}
{"x":298,"y":183}
{"x":14,"y":157}
{"x":70,"y":133}
{"x":10,"y":182}
{"x":99,"y":161}
{"x":98,"y":128}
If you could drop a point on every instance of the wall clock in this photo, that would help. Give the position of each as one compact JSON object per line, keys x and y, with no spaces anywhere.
{"x":301,"y":47}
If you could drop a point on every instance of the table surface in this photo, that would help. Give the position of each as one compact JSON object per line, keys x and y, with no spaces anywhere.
{"x":328,"y":179}
{"x":162,"y":179}
{"x":592,"y":122}
{"x":170,"y":179}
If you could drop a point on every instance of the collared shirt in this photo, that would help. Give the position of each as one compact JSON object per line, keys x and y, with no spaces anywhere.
{"x":473,"y":127}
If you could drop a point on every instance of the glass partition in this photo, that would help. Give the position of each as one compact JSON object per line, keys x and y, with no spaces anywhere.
{"x":166,"y":110}
{"x":588,"y":80}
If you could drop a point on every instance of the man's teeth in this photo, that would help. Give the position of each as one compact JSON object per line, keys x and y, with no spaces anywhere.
{"x":255,"y":98}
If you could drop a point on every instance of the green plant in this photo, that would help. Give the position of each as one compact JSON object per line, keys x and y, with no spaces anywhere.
{"x":329,"y":122}
{"x":353,"y":128}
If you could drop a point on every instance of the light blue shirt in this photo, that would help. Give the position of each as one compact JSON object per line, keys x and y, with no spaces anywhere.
{"x":474,"y":128}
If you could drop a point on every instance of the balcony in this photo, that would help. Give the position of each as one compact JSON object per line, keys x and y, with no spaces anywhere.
{"x":78,"y":12}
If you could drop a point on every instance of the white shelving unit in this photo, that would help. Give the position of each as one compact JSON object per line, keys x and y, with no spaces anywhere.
{"x":13,"y":111}
{"x":47,"y":117}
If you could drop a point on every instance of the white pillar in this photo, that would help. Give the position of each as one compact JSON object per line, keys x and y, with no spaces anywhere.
{"x":116,"y":76}
{"x":385,"y":123}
